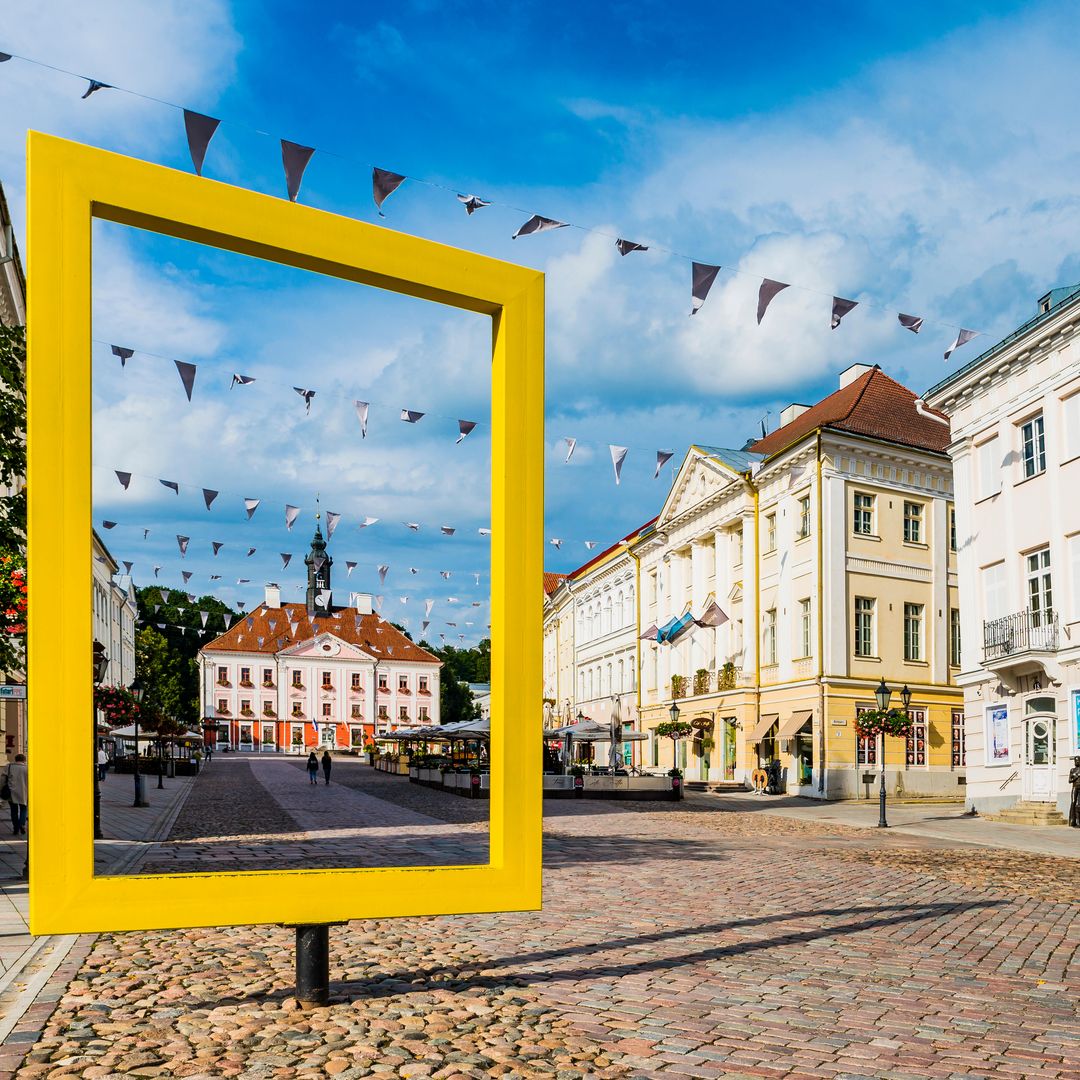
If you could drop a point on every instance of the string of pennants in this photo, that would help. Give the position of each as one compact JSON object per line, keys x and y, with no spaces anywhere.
{"x":187,"y":372}
{"x":292,"y":512}
{"x":200,"y":129}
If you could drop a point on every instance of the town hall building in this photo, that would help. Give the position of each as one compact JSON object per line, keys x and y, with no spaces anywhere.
{"x":290,"y":678}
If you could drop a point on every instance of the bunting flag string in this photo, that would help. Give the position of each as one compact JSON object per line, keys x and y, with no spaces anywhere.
{"x":703,"y":276}
{"x":571,"y":446}
{"x":618,"y":456}
{"x":961,"y":339}
{"x":840,"y":307}
{"x":209,"y":497}
{"x":307,"y":395}
{"x":626,"y":246}
{"x":662,"y":458}
{"x":362,"y":416}
{"x":465,"y":428}
{"x":766,"y":294}
{"x":199,"y":129}
{"x":240,"y":380}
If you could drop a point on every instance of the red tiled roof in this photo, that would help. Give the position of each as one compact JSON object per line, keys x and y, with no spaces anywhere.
{"x":873,"y":405}
{"x":370,"y":632}
{"x":552,"y":581}
{"x":607,"y":551}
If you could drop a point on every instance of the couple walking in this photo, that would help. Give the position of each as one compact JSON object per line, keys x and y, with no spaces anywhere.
{"x":313,"y":766}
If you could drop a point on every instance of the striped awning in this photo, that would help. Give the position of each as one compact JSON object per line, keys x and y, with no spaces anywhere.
{"x":761,"y":729}
{"x":795,"y":723}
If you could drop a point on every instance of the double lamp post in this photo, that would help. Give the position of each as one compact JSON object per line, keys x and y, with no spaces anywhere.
{"x":884,"y":695}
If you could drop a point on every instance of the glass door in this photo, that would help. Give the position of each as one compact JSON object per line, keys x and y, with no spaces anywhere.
{"x":1039,"y":758}
{"x":296,"y":738}
{"x":246,"y":742}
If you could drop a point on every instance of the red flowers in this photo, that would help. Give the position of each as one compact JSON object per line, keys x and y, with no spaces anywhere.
{"x":13,"y":593}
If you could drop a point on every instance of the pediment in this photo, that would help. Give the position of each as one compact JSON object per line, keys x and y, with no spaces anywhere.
{"x":327,"y":646}
{"x":698,"y":480}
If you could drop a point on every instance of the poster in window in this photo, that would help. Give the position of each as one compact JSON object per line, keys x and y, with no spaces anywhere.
{"x":1076,"y":721}
{"x":997,"y":735}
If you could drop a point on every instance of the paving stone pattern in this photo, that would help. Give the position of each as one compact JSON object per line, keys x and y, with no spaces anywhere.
{"x":675,"y":940}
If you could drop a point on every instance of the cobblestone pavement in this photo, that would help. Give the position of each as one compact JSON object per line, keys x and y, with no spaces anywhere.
{"x":262,"y":813}
{"x":675,"y":940}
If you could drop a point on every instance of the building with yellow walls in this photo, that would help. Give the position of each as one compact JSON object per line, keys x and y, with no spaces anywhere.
{"x":782,"y":583}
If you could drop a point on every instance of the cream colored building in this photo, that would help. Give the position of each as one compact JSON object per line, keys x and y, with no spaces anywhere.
{"x":558,"y":651}
{"x":1015,"y":413}
{"x":115,"y":613}
{"x":826,"y":554}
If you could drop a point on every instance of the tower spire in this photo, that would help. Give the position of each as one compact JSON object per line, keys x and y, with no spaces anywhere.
{"x":319,"y":597}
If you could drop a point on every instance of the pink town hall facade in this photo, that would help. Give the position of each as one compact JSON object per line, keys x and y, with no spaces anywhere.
{"x":290,"y":678}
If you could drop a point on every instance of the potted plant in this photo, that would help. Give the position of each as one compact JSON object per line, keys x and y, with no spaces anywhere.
{"x":678,"y":686}
{"x":701,"y":682}
{"x":725,"y":680}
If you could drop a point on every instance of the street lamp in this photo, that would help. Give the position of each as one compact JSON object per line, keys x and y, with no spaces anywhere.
{"x":884,"y":695}
{"x":674,"y":711}
{"x":138,"y":692}
{"x":101,"y":664}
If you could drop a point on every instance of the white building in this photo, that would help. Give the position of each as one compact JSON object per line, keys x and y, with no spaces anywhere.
{"x":116,"y":611}
{"x":1015,"y":412}
{"x":293,"y":677}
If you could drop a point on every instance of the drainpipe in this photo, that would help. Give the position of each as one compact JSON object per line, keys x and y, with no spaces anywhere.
{"x":637,"y":639}
{"x":757,"y":598}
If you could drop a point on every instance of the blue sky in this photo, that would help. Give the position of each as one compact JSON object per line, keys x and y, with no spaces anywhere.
{"x":917,"y":159}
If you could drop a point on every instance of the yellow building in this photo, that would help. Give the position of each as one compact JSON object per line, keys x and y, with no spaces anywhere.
{"x":786,"y":581}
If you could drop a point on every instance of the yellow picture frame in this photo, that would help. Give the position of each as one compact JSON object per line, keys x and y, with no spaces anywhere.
{"x":70,"y":184}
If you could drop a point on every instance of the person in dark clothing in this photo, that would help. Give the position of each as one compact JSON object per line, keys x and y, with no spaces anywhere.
{"x":327,"y":765}
{"x":313,"y":767}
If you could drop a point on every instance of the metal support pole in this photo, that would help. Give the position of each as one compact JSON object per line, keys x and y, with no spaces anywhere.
{"x":313,"y":964}
{"x":98,"y":835}
{"x":161,"y":766}
{"x":140,"y":797}
{"x":882,"y":823}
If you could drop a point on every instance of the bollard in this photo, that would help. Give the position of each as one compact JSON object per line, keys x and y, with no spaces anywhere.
{"x":579,"y":787}
{"x":474,"y":785}
{"x":313,"y":964}
{"x":676,"y":787}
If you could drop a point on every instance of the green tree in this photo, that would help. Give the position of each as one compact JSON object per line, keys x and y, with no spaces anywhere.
{"x":455,"y":701}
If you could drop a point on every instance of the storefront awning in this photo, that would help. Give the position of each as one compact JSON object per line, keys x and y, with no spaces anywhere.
{"x":795,"y":723}
{"x":763,"y":725}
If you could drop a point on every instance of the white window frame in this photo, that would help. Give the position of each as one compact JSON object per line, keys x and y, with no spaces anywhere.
{"x":867,"y":611}
{"x":1070,"y":426}
{"x":804,"y":517}
{"x":914,"y":629}
{"x":806,"y":627}
{"x":911,"y":743}
{"x":955,"y":638}
{"x":1039,"y":586}
{"x":913,"y":522}
{"x":864,"y":506}
{"x":1033,"y":446}
{"x":989,"y":457}
{"x":993,"y":584}
{"x":770,"y":532}
{"x":769,"y":637}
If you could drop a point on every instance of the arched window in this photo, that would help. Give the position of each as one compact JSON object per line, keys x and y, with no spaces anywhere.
{"x":620,"y":609}
{"x":628,"y":610}
{"x":622,"y":676}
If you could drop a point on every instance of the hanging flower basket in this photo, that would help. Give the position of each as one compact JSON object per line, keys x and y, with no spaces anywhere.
{"x":117,"y":704}
{"x":12,"y":594}
{"x":877,"y":722}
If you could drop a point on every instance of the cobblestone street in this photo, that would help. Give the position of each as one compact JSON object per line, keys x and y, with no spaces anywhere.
{"x":676,"y":939}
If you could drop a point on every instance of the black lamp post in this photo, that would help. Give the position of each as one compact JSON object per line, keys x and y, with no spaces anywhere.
{"x":101,"y":664}
{"x":138,"y":691}
{"x":160,"y":762}
{"x":884,"y":695}
{"x":674,"y":711}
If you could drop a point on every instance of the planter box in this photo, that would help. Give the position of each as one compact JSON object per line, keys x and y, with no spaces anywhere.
{"x":641,"y":788}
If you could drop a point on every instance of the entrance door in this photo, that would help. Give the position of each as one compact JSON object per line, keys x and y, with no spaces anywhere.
{"x":328,"y":736}
{"x":267,"y":738}
{"x":1039,"y":758}
{"x":245,"y":737}
{"x":296,"y":738}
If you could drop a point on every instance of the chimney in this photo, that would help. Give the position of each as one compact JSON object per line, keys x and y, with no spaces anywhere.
{"x":849,"y":375}
{"x":273,"y":595}
{"x":361,"y":601}
{"x":792,"y":411}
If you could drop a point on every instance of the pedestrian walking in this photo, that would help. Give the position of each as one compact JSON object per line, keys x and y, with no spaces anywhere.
{"x":14,"y":789}
{"x":327,"y":765}
{"x":209,"y":753}
{"x":313,"y":767}
{"x":102,"y":762}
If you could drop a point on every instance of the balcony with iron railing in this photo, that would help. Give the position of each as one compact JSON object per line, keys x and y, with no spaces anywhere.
{"x":1021,"y":643}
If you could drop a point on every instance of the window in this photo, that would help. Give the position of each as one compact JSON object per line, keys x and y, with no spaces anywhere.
{"x":327,"y":684}
{"x":297,"y":709}
{"x":913,"y":533}
{"x":245,"y":706}
{"x":952,"y":528}
{"x":804,"y":517}
{"x":804,"y":627}
{"x":989,"y":468}
{"x":736,"y":547}
{"x":268,"y":708}
{"x":403,"y":713}
{"x":296,"y":679}
{"x":383,"y":713}
{"x":423,"y":713}
{"x":1074,"y":562}
{"x":223,"y":676}
{"x":770,"y":636}
{"x":355,"y":680}
{"x":916,"y":741}
{"x":959,"y":740}
{"x":422,"y":684}
{"x":954,"y":637}
{"x":913,"y":631}
{"x":770,"y":532}
{"x":268,"y":676}
{"x":1070,"y":415}
{"x":1040,"y":593}
{"x":993,"y":591}
{"x":223,"y":705}
{"x":382,"y":683}
{"x":865,"y":745}
{"x":864,"y":626}
{"x":1033,"y":446}
{"x":356,"y":712}
{"x":245,"y":676}
{"x":864,"y":514}
{"x":327,"y":706}
{"x":403,"y":683}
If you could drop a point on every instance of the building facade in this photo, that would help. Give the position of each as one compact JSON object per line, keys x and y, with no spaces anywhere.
{"x":1015,"y":413}
{"x":781,"y":584}
{"x":293,"y":677}
{"x":12,"y":313}
{"x":115,"y":614}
